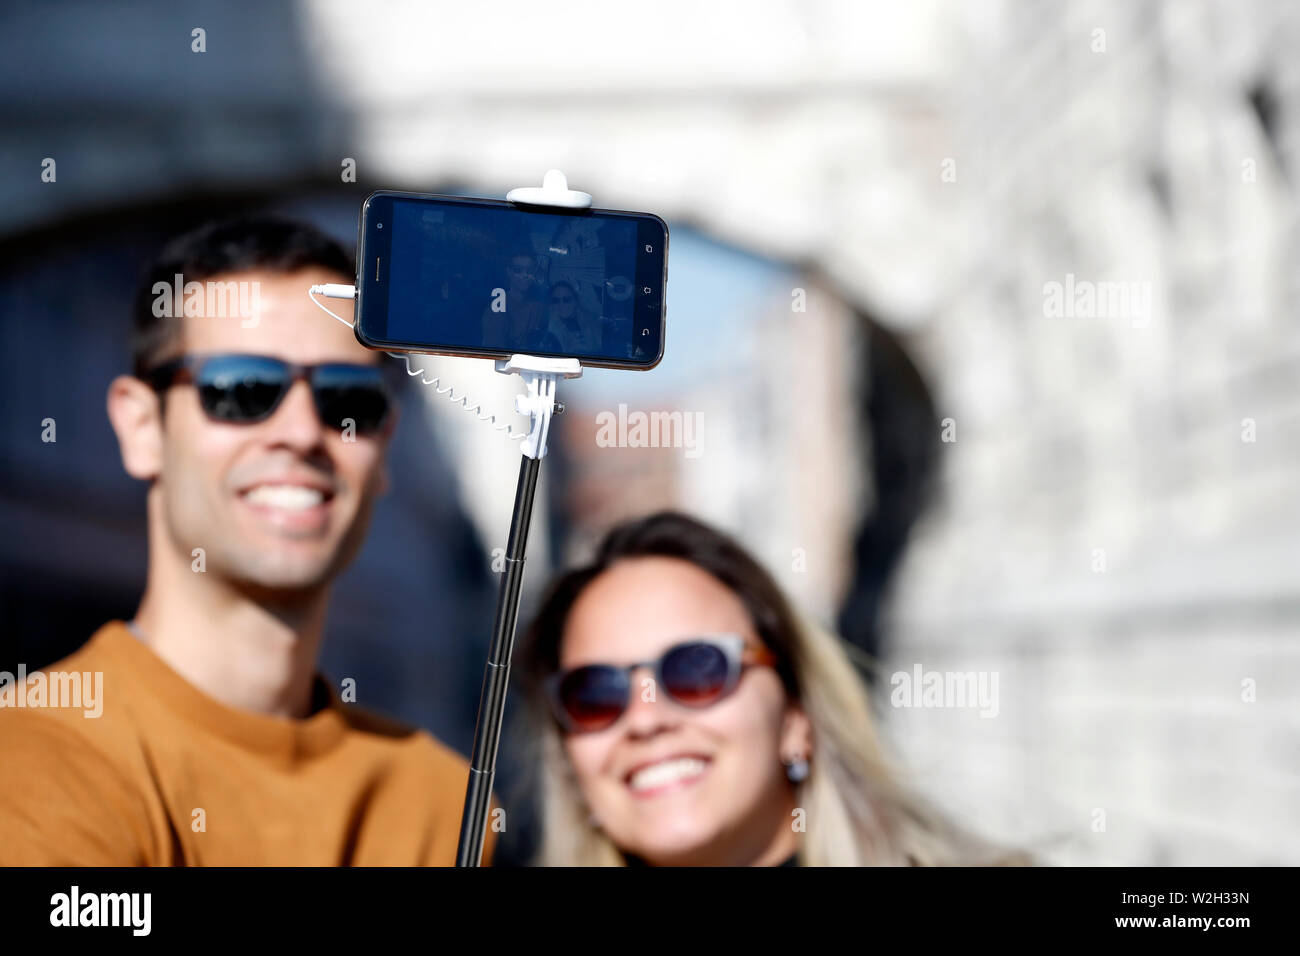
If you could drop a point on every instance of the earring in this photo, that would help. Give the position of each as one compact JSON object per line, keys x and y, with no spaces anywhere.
{"x":796,"y":769}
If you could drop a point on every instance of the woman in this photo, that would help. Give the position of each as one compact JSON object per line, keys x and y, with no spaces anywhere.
{"x":692,"y":719}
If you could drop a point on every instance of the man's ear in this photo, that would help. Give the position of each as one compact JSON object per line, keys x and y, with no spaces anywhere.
{"x":135,"y":412}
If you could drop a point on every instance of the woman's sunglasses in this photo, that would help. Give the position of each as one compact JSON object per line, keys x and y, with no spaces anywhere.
{"x":695,"y":673}
{"x":244,"y":389}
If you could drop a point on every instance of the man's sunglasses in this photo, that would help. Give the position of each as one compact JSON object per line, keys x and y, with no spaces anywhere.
{"x":243,"y":389}
{"x":695,"y":673}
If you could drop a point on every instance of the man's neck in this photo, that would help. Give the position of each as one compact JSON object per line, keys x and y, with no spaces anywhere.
{"x":251,"y":652}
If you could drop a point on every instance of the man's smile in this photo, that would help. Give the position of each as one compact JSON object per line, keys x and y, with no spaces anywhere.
{"x":299,"y":505}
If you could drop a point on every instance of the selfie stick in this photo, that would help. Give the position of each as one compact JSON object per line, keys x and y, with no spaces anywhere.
{"x":540,"y":376}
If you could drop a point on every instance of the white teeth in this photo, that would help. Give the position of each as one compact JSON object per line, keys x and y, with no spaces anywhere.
{"x":666,"y":772}
{"x":288,"y":497}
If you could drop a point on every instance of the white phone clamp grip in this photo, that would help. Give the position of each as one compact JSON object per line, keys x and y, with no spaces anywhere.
{"x":540,"y":375}
{"x":554,"y":191}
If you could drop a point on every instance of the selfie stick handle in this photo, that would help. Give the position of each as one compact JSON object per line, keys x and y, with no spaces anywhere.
{"x":540,"y":376}
{"x":492,"y":698}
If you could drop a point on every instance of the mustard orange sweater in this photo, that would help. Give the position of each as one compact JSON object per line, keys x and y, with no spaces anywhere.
{"x":166,"y":775}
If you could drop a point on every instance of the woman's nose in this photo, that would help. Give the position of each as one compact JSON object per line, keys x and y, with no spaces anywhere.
{"x":644,"y":710}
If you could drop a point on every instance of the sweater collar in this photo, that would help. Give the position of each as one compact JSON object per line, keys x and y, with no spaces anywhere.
{"x":288,"y":738}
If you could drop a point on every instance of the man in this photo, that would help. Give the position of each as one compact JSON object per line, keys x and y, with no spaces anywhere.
{"x":260,"y":426}
{"x":521,"y":315}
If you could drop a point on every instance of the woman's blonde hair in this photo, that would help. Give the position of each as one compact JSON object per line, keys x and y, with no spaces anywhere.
{"x":857,"y":810}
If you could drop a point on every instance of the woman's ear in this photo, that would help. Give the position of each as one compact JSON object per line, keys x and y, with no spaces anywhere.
{"x":796,"y":734}
{"x":135,"y":411}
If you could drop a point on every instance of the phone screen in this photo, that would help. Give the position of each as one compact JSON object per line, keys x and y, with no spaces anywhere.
{"x":481,"y":277}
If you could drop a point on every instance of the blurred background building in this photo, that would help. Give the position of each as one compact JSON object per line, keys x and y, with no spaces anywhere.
{"x":876,"y":210}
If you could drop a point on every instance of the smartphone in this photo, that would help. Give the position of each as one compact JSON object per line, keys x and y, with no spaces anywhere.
{"x":486,"y":278}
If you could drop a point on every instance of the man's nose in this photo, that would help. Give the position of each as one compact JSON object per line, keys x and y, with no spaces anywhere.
{"x":295,"y":422}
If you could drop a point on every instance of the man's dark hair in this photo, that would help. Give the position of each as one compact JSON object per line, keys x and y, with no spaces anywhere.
{"x":242,"y":244}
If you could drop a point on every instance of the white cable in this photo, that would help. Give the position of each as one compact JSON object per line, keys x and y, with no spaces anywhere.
{"x":333,"y":294}
{"x":348,"y":292}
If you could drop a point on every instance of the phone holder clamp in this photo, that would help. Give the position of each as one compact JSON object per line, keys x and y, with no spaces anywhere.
{"x":540,"y":376}
{"x":554,"y":191}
